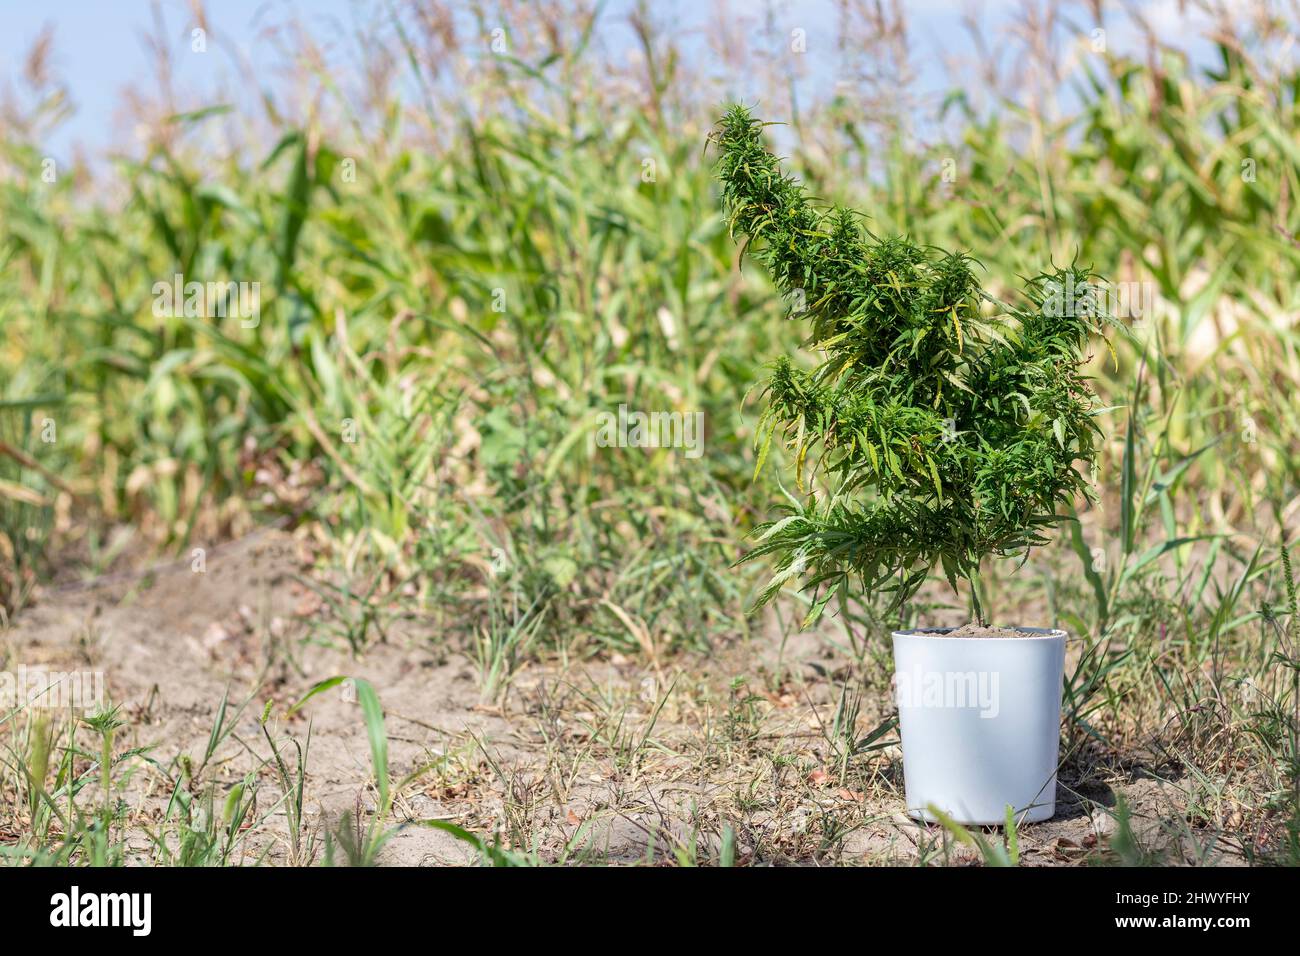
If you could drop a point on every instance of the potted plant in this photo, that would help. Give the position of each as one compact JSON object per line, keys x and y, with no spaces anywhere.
{"x":940,"y":427}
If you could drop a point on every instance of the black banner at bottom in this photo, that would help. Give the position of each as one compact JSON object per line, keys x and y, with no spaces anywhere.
{"x":342,"y":906}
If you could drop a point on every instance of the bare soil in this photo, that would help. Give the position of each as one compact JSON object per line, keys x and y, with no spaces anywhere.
{"x":613,"y":760}
{"x":988,"y":630}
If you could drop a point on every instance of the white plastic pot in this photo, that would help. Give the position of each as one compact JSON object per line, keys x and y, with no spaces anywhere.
{"x":980,"y":723}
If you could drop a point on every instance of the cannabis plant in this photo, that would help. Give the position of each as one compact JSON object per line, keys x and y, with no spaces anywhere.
{"x":941,"y":425}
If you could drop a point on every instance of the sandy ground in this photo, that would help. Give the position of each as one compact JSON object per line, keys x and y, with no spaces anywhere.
{"x":574,"y":764}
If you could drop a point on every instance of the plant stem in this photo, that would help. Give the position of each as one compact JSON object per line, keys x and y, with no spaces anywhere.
{"x":977,"y":605}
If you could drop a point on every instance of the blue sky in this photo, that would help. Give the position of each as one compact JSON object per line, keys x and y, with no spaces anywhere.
{"x":99,"y":46}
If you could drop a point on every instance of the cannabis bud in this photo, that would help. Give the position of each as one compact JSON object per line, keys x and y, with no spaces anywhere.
{"x":941,"y":424}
